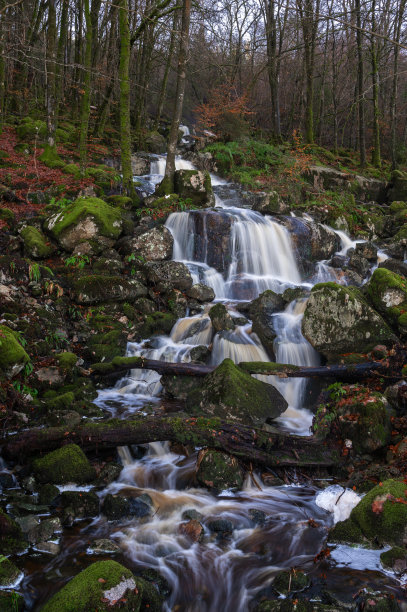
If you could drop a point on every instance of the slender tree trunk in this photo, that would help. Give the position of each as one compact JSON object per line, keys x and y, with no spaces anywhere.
{"x":394,"y":92}
{"x":361,"y":94}
{"x":272,"y":67}
{"x":164,"y":82}
{"x":376,"y":159}
{"x":125,"y":133}
{"x":59,"y":69}
{"x":2,"y":66}
{"x":179,"y":98}
{"x":86,"y":84}
{"x":50,"y":76}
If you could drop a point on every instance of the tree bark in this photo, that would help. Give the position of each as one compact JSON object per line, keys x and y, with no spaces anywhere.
{"x":163,"y":90}
{"x":376,"y":157}
{"x":343,"y":372}
{"x":50,"y":75}
{"x":86,"y":84}
{"x":393,"y":100}
{"x":361,"y":94}
{"x":179,"y":97}
{"x":269,"y":448}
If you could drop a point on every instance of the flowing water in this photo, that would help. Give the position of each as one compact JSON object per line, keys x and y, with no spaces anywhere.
{"x":274,"y":527}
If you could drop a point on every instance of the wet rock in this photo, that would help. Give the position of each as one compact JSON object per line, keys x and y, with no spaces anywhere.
{"x":199,"y":354}
{"x":48,"y":548}
{"x":388,"y":294}
{"x":221,"y":526}
{"x":155,"y":143}
{"x":192,"y":530}
{"x":78,"y":505}
{"x":221,"y":319}
{"x":116,"y":507}
{"x":291,"y":582}
{"x":109,"y":473}
{"x":86,"y":219}
{"x":312,"y":241}
{"x":396,"y":395}
{"x":395,"y":559}
{"x":219,"y":471}
{"x":177,"y":303}
{"x":338,"y":320}
{"x":231,"y":394}
{"x":358,"y":263}
{"x":168,"y":275}
{"x":155,"y":244}
{"x":270,"y":203}
{"x":212,"y":227}
{"x":48,"y":493}
{"x":145,"y":305}
{"x":11,"y":536}
{"x":140,"y":164}
{"x":192,"y":514}
{"x":258,"y":517}
{"x":97,"y":587}
{"x":369,"y":600}
{"x":377,"y":519}
{"x":97,"y":289}
{"x":44,"y":530}
{"x":338,"y":261}
{"x":66,"y":464}
{"x":294,"y":293}
{"x":396,"y":266}
{"x":7,"y":480}
{"x":261,"y":312}
{"x":201,"y":292}
{"x":178,"y":387}
{"x":367,"y":250}
{"x":160,"y":583}
{"x":104,"y":546}
{"x":194,"y":186}
{"x":9,"y":574}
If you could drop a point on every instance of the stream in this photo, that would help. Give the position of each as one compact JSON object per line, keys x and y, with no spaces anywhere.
{"x":274,"y":527}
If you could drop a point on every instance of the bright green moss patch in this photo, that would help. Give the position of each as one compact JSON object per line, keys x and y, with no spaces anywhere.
{"x":35,"y":243}
{"x":388,"y":293}
{"x":66,"y":464}
{"x":66,"y":361}
{"x":266,"y":367}
{"x":61,"y":402}
{"x":12,"y":355}
{"x":7,"y":215}
{"x":9,"y":573}
{"x":30,"y":128}
{"x":11,"y":537}
{"x":107,"y":218}
{"x":72,"y":169}
{"x":92,"y":590}
{"x":392,"y":556}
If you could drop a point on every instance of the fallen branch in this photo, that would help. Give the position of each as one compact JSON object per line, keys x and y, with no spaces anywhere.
{"x":269,"y":448}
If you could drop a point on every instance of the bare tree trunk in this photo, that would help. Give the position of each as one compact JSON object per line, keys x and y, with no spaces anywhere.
{"x":164,"y":82}
{"x":376,"y":158}
{"x":85,"y":102}
{"x":51,"y":64}
{"x":361,"y":94}
{"x":393,"y":101}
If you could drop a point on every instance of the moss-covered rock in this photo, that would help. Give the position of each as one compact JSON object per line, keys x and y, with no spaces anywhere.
{"x":220,"y":318}
{"x":194,"y":187}
{"x":11,"y":537}
{"x":291,"y":582}
{"x":100,"y":288}
{"x":86,"y":219}
{"x":339,"y":320}
{"x":219,"y":471}
{"x":155,"y":244}
{"x":369,"y":600}
{"x":102,"y":586}
{"x":66,"y":361}
{"x":12,"y":355}
{"x":395,"y":559}
{"x":232,"y":394}
{"x":158,"y":323}
{"x":388,"y":294}
{"x":30,"y":128}
{"x":7,"y":215}
{"x":66,"y":464}
{"x":72,"y":169}
{"x":168,"y":275}
{"x":398,"y":187}
{"x":261,"y":312}
{"x":9,"y":573}
{"x":35,"y":243}
{"x":359,"y":415}
{"x":154,"y":142}
{"x":379,"y":518}
{"x":11,"y":601}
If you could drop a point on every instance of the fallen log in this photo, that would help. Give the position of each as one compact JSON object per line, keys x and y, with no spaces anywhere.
{"x":349,"y":372}
{"x":268,"y":448}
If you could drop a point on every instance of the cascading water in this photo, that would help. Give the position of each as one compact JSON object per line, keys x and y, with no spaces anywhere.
{"x":225,"y":572}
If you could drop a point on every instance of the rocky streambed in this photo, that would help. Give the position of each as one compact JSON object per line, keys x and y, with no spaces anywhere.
{"x":163,"y":526}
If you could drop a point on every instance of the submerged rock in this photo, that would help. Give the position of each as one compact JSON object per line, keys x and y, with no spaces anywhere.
{"x":218,"y":471}
{"x":338,"y":320}
{"x":232,"y":394}
{"x":379,"y":518}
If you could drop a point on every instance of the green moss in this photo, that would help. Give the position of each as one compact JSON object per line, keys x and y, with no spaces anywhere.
{"x":166,"y":187}
{"x":66,"y":361}
{"x":86,"y":591}
{"x":49,"y":156}
{"x":72,"y":169}
{"x":107,"y":218}
{"x":30,"y":128}
{"x":219,"y":471}
{"x":346,"y":532}
{"x":35,"y":243}
{"x":265,"y":367}
{"x":231,"y":393}
{"x":291,"y":581}
{"x":104,"y":288}
{"x":119,"y":201}
{"x":388,"y":525}
{"x":11,"y":601}
{"x":389,"y":558}
{"x":7,"y":215}
{"x":11,"y":352}
{"x":61,"y":402}
{"x":66,"y":464}
{"x":386,"y":287}
{"x":158,"y":323}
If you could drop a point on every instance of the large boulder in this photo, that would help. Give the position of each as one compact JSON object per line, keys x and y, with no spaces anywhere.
{"x":201,"y":293}
{"x":212,"y":227}
{"x":269,"y":203}
{"x":261,"y":312}
{"x":397,"y":187}
{"x":140,"y":164}
{"x":194,"y":186}
{"x":99,"y":288}
{"x":11,"y":536}
{"x":167,"y":275}
{"x":86,"y":219}
{"x":379,"y":518}
{"x":388,"y":294}
{"x":12,"y":355}
{"x":231,"y":394}
{"x":338,"y":320}
{"x":155,"y":244}
{"x":103,"y":586}
{"x":220,"y":318}
{"x":312,"y":241}
{"x":394,"y":265}
{"x":66,"y":464}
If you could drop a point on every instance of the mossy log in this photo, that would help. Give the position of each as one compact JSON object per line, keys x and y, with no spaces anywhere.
{"x":354,"y":371}
{"x":271,"y":448}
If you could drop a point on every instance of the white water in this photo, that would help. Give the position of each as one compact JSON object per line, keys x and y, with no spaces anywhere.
{"x":226,"y":573}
